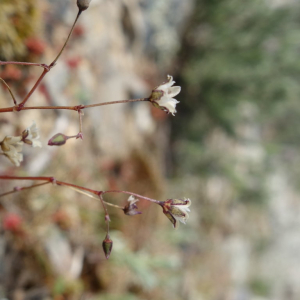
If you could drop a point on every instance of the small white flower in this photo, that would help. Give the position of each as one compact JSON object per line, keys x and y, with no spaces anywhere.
{"x":31,"y":136}
{"x":162,"y":96}
{"x":12,"y":149}
{"x":176,"y":210}
{"x":131,"y":208}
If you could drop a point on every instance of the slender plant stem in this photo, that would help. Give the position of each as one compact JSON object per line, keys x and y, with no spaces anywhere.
{"x":76,"y":107}
{"x":80,"y":120}
{"x":47,"y":69}
{"x":133,"y":194}
{"x":77,"y":186}
{"x":97,"y":193}
{"x":80,"y":134}
{"x":115,"y":102}
{"x":48,"y":179}
{"x":12,"y":95}
{"x":23,"y":64}
{"x":94,"y":197}
{"x":65,"y":44}
{"x":21,"y":105}
{"x":23,"y":188}
{"x":107,"y":218}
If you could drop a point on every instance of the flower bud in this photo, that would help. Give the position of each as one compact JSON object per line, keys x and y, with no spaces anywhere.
{"x":25,"y":134}
{"x":83,"y":4}
{"x":58,"y":140}
{"x":107,"y":246}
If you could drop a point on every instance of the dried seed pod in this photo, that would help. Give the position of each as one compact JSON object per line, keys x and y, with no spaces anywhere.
{"x":83,"y":4}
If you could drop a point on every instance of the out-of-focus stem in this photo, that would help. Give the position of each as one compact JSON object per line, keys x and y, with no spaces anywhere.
{"x":23,"y":188}
{"x":12,"y":95}
{"x":24,"y":64}
{"x":80,"y":134}
{"x":107,"y":218}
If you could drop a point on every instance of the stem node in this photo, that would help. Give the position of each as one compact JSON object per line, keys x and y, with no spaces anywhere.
{"x":79,"y":107}
{"x":53,"y":180}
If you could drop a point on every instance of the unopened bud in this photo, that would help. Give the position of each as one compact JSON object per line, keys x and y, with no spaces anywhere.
{"x":25,"y":134}
{"x":107,"y":246}
{"x":58,"y":140}
{"x":83,"y":4}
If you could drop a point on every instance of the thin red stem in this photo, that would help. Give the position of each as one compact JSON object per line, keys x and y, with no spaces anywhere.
{"x":21,"y":105}
{"x":133,"y":194}
{"x":57,"y":182}
{"x":49,"y":179}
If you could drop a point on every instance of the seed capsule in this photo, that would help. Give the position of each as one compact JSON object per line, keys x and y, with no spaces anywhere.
{"x":83,"y":4}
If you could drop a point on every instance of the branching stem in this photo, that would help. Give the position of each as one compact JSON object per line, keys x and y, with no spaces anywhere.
{"x":47,"y":68}
{"x":62,"y":183}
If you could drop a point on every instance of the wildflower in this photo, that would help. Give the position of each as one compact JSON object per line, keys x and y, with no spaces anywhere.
{"x":31,"y":135}
{"x":162,"y":96}
{"x":176,"y":210}
{"x":131,"y":208}
{"x":12,"y":148}
{"x":107,"y":246}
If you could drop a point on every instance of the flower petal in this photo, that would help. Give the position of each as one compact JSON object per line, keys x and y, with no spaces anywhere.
{"x":15,"y":158}
{"x":36,"y":143}
{"x":31,"y":136}
{"x":164,"y":87}
{"x":168,"y":103}
{"x":173,"y":91}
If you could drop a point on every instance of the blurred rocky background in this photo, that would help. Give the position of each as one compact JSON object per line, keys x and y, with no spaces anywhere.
{"x":233,"y":148}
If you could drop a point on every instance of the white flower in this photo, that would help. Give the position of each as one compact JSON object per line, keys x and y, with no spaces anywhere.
{"x":31,"y":136}
{"x":12,"y":148}
{"x":176,"y":210}
{"x":131,"y":208}
{"x":162,"y":96}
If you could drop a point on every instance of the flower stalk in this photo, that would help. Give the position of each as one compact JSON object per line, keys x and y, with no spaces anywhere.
{"x":11,"y":93}
{"x":75,"y":108}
